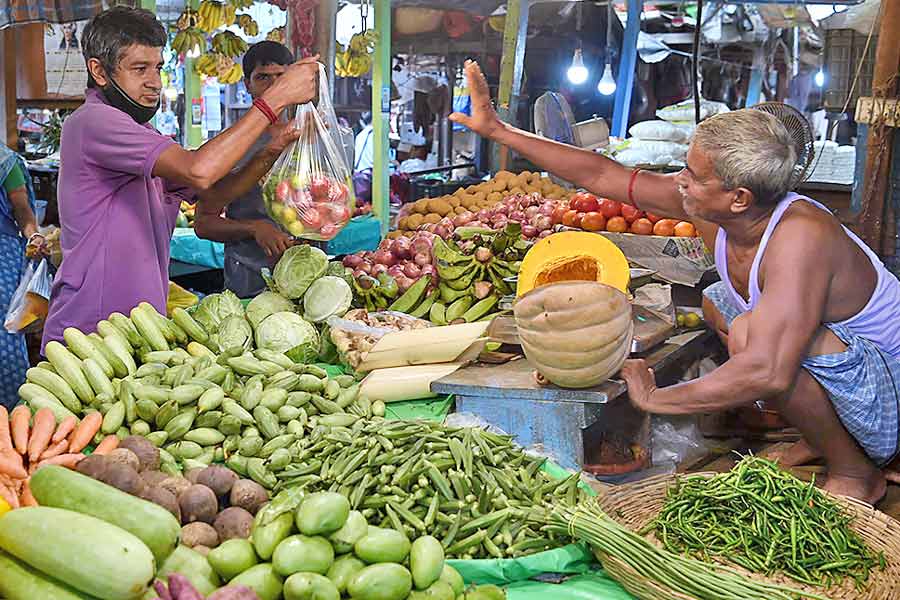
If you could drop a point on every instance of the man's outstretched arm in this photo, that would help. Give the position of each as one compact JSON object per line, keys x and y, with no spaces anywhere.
{"x":653,"y":192}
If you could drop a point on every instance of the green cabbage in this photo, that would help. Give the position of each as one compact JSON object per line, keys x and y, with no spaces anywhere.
{"x":328,"y":351}
{"x":289,"y":333}
{"x":265,"y":304}
{"x":298,"y":267}
{"x":234,"y":332}
{"x":214,"y":309}
{"x":327,"y":297}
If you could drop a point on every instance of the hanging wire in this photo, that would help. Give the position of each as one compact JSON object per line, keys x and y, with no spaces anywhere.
{"x":695,"y":72}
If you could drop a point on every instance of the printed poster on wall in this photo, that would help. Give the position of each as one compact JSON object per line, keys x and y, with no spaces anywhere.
{"x":65,"y":71}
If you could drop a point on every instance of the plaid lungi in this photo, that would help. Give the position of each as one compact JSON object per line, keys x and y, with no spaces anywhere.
{"x":863,"y":383}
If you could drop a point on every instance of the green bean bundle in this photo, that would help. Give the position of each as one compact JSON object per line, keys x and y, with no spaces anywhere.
{"x":765,"y":520}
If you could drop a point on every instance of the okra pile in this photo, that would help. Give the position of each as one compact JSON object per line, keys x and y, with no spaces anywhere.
{"x":467,"y":487}
{"x":766,"y":520}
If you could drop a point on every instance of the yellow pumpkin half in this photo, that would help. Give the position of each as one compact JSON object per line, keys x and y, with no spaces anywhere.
{"x":573,"y":256}
{"x":576,"y":334}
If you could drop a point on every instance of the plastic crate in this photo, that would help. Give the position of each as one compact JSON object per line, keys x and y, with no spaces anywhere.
{"x":843,"y":53}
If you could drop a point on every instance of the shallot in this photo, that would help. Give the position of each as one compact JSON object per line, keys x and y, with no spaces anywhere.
{"x":352,"y":261}
{"x":411,"y":270}
{"x":384,"y":257}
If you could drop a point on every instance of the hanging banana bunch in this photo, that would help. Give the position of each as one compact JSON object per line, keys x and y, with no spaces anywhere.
{"x":188,"y":39}
{"x":247,"y":25}
{"x":214,"y":14}
{"x":356,"y":59}
{"x":187,"y":19}
{"x":276,"y":35}
{"x":229,"y":44}
{"x":241,"y":3}
{"x":205,"y":64}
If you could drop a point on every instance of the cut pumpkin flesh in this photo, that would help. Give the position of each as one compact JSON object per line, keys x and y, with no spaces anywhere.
{"x":573,"y":256}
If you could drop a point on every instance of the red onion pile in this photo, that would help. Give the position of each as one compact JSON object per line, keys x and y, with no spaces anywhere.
{"x":404,"y":259}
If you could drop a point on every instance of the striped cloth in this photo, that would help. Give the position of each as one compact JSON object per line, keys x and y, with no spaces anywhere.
{"x":17,"y":12}
{"x":863,"y":383}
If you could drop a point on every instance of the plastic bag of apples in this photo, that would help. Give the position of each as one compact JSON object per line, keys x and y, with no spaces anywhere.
{"x":309,"y":190}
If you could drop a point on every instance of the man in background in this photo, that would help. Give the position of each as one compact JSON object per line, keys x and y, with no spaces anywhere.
{"x":252,"y":240}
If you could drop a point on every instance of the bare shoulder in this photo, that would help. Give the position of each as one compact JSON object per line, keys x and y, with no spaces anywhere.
{"x":805,"y":228}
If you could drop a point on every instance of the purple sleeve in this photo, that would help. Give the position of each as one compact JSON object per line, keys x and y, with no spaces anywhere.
{"x":116,"y":143}
{"x":181,"y":193}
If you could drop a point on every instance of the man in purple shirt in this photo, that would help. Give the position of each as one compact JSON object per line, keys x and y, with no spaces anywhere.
{"x":121,"y":182}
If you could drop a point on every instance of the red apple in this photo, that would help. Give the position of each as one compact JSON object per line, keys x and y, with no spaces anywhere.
{"x":319,"y":188}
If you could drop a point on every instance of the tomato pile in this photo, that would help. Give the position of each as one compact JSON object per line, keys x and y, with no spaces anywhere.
{"x":315,"y":208}
{"x":590,"y":213}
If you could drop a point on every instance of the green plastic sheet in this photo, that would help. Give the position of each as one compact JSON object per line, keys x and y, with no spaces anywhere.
{"x":574,"y":558}
{"x":595,"y":585}
{"x":429,"y":409}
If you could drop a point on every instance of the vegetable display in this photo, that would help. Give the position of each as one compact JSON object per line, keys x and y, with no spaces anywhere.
{"x":766,"y":520}
{"x":475,"y":203}
{"x":462,"y":486}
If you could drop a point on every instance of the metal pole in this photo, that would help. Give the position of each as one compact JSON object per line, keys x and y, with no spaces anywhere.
{"x":381,"y":113}
{"x":511,"y":66}
{"x":627,"y":63}
{"x":754,"y":88}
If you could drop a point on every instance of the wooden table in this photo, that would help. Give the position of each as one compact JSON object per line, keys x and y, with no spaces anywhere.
{"x":570,"y":425}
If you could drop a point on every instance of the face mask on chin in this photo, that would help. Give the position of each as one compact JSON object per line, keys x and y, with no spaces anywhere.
{"x":117,"y":97}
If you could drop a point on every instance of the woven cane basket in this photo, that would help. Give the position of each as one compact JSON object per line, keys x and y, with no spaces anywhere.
{"x":635,"y":505}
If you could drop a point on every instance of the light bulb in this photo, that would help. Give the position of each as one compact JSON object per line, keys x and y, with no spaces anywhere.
{"x":607,"y":85}
{"x":577,"y":73}
{"x":820,"y":78}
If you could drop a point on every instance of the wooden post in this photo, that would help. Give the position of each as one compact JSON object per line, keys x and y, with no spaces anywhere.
{"x":326,"y":22}
{"x":876,"y":213}
{"x":381,"y":114}
{"x":193,"y":99}
{"x":512,"y":64}
{"x":8,"y":88}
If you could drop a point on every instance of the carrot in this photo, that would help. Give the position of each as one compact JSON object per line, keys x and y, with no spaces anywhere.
{"x":64,"y":460}
{"x":65,"y":428}
{"x":85,"y":431}
{"x":26,"y":498}
{"x":18,"y":425}
{"x":109,"y":443}
{"x":11,"y":464}
{"x":42,"y":427}
{"x":5,"y":439}
{"x":55,"y":450}
{"x":9,"y":496}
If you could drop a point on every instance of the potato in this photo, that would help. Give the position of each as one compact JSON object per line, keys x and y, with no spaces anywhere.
{"x":440,"y":207}
{"x":198,"y":503}
{"x":163,"y":498}
{"x":146,"y":452}
{"x":219,"y":479}
{"x":503,"y":175}
{"x":414,"y":221}
{"x":199,"y":534}
{"x":432,"y":218}
{"x":175,"y":484}
{"x":401,"y":223}
{"x":420,"y":206}
{"x":124,"y":478}
{"x":453,"y":200}
{"x":125,"y":457}
{"x":93,"y":466}
{"x":249,"y":495}
{"x":233,"y":522}
{"x":494,"y":197}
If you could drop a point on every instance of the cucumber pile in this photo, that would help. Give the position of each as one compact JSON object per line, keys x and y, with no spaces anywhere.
{"x":152,"y":377}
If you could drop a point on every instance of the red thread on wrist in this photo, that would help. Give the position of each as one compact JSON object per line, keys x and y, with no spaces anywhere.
{"x":631,"y":201}
{"x":265,"y":109}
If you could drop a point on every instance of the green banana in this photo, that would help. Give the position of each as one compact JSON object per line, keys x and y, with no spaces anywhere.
{"x":480,"y":308}
{"x":449,"y":295}
{"x":424,"y":306}
{"x":437,"y":314}
{"x":411,"y":296}
{"x":458,"y":308}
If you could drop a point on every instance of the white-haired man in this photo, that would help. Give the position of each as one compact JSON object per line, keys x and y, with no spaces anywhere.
{"x":810,"y":315}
